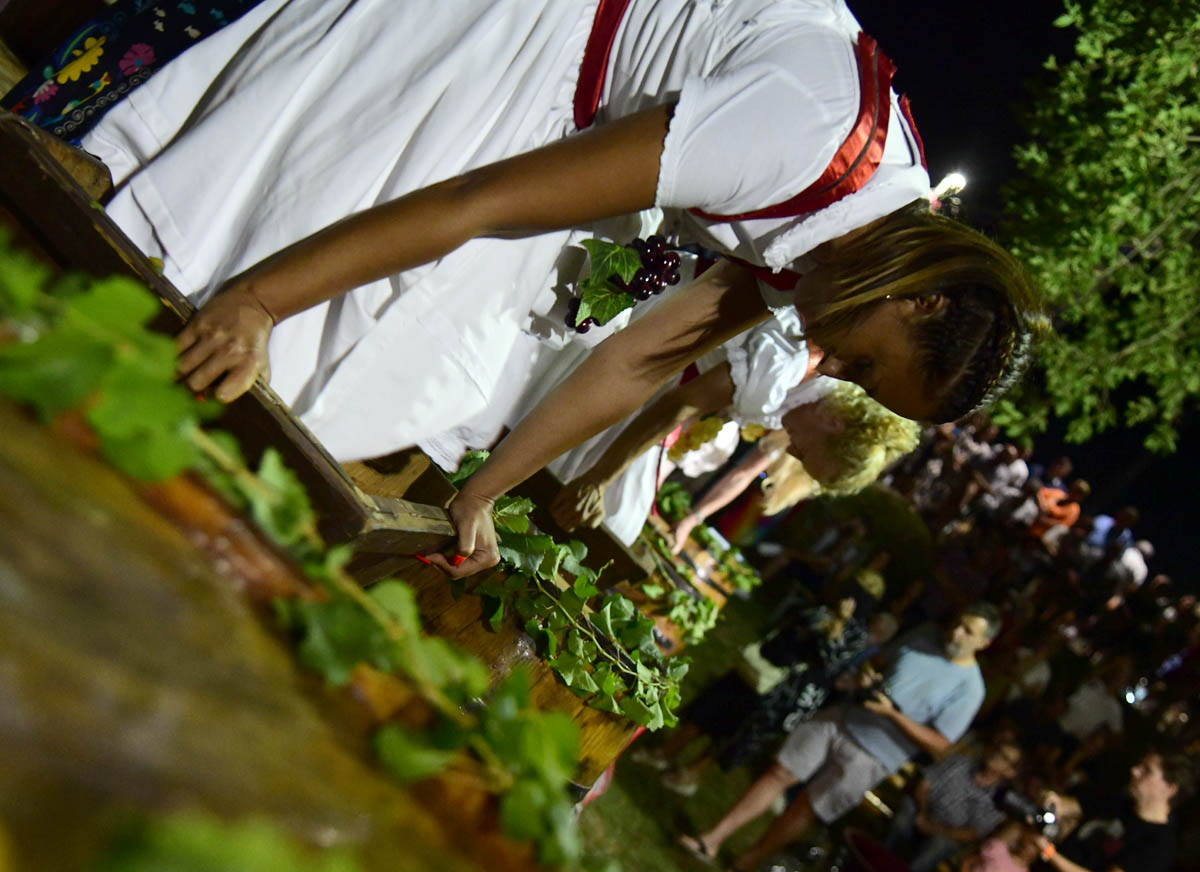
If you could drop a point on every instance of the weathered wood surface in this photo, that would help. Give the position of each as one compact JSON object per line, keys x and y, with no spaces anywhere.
{"x":134,"y":675}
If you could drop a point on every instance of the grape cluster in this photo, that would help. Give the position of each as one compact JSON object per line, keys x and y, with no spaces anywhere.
{"x":660,"y":268}
{"x":696,"y":435}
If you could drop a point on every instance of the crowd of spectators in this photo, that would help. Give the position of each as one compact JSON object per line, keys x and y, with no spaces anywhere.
{"x":1085,"y":707}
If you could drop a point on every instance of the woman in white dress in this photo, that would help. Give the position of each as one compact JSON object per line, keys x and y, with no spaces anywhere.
{"x":339,"y":184}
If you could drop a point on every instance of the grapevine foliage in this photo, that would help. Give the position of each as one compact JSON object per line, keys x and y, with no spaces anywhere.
{"x":600,"y":645}
{"x":78,"y":343}
{"x":601,"y":298}
{"x":674,"y":501}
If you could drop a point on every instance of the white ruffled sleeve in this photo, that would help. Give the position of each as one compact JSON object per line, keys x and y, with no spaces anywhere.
{"x":766,"y":363}
{"x":745,"y":138}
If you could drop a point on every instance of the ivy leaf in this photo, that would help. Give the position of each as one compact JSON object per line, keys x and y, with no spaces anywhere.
{"x":523,"y":808}
{"x":398,"y":599}
{"x":654,"y":591}
{"x":649,"y":716}
{"x":572,"y":562}
{"x":324,"y":566}
{"x":608,"y":259}
{"x":601,"y":300}
{"x":410,"y":754}
{"x":150,"y":456}
{"x":117,"y":304}
{"x":437,"y":661}
{"x":512,"y":513}
{"x":145,"y":423}
{"x":496,"y":618}
{"x":571,"y":603}
{"x":604,"y":620}
{"x":56,"y":372}
{"x":468,"y":466}
{"x":21,"y":280}
{"x":638,"y":636}
{"x":526,"y":553}
{"x":282,"y":511}
{"x":335,"y":636}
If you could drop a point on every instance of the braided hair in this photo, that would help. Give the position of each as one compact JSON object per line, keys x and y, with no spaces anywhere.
{"x":976,"y":346}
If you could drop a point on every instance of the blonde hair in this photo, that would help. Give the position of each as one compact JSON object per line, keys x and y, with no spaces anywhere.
{"x":872,"y":437}
{"x":979,"y":344}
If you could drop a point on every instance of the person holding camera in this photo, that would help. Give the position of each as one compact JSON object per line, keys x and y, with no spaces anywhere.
{"x":953,"y":804}
{"x":1144,"y":840}
{"x":926,"y":699}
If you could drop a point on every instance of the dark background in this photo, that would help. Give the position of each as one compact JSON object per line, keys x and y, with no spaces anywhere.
{"x":967,"y":66}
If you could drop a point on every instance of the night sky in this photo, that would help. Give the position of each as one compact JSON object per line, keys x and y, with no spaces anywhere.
{"x":965,"y":66}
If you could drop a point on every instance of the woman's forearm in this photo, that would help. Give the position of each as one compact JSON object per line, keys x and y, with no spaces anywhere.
{"x":732,"y":483}
{"x":622,"y":373}
{"x":610,"y":170}
{"x":703,"y":395}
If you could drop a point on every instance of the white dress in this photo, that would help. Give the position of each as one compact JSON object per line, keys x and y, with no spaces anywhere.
{"x":305,"y":111}
{"x":768,"y":365}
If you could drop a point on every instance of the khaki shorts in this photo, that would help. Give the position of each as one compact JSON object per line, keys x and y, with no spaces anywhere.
{"x":837,"y":769}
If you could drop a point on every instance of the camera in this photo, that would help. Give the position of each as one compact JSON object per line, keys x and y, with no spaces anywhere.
{"x":1044,"y":819}
{"x":865,"y":694}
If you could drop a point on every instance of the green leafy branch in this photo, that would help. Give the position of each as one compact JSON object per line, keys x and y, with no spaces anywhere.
{"x":607,"y":655}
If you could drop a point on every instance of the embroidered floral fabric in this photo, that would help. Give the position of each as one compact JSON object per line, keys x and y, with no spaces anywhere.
{"x":104,"y":60}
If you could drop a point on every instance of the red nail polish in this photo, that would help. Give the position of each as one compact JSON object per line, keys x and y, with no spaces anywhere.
{"x":457,"y":560}
{"x":423,"y":559}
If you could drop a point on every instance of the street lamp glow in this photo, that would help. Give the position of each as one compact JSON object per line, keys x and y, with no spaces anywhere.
{"x":952,"y":183}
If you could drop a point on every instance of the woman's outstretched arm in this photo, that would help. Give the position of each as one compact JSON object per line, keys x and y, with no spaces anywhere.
{"x":617,"y":378}
{"x":609,"y":170}
{"x":581,"y":501}
{"x":721,"y":494}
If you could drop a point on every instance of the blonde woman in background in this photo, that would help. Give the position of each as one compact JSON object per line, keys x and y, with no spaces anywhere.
{"x":861,"y":439}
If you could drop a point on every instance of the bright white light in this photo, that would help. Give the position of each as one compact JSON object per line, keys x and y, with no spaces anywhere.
{"x":950,"y":184}
{"x":1130,"y":697}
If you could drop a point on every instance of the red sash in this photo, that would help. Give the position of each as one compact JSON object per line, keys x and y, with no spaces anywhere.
{"x":853,"y":164}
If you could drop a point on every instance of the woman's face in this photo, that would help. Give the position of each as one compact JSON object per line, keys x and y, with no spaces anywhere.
{"x":879,"y":355}
{"x":809,"y":428}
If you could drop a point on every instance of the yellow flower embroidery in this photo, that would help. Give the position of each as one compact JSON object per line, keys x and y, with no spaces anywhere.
{"x":84,"y":60}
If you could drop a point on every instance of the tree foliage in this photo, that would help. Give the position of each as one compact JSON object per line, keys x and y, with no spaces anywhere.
{"x":1106,"y":212}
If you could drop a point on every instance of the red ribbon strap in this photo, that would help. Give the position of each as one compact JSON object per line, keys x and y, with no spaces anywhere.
{"x":859,"y":156}
{"x":594,"y":69}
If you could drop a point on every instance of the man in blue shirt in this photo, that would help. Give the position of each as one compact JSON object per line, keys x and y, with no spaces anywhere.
{"x":924,"y":701}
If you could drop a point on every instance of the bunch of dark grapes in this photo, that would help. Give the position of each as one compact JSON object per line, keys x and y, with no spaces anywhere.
{"x":660,"y":268}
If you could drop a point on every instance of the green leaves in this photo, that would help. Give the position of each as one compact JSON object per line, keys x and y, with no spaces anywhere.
{"x":21,"y":280}
{"x":600,"y":298}
{"x":600,"y":656}
{"x":411,"y":754}
{"x":1106,"y":213}
{"x":512,"y":513}
{"x":539,"y":750}
{"x":610,"y":259}
{"x":470,"y":464}
{"x":674,"y":501}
